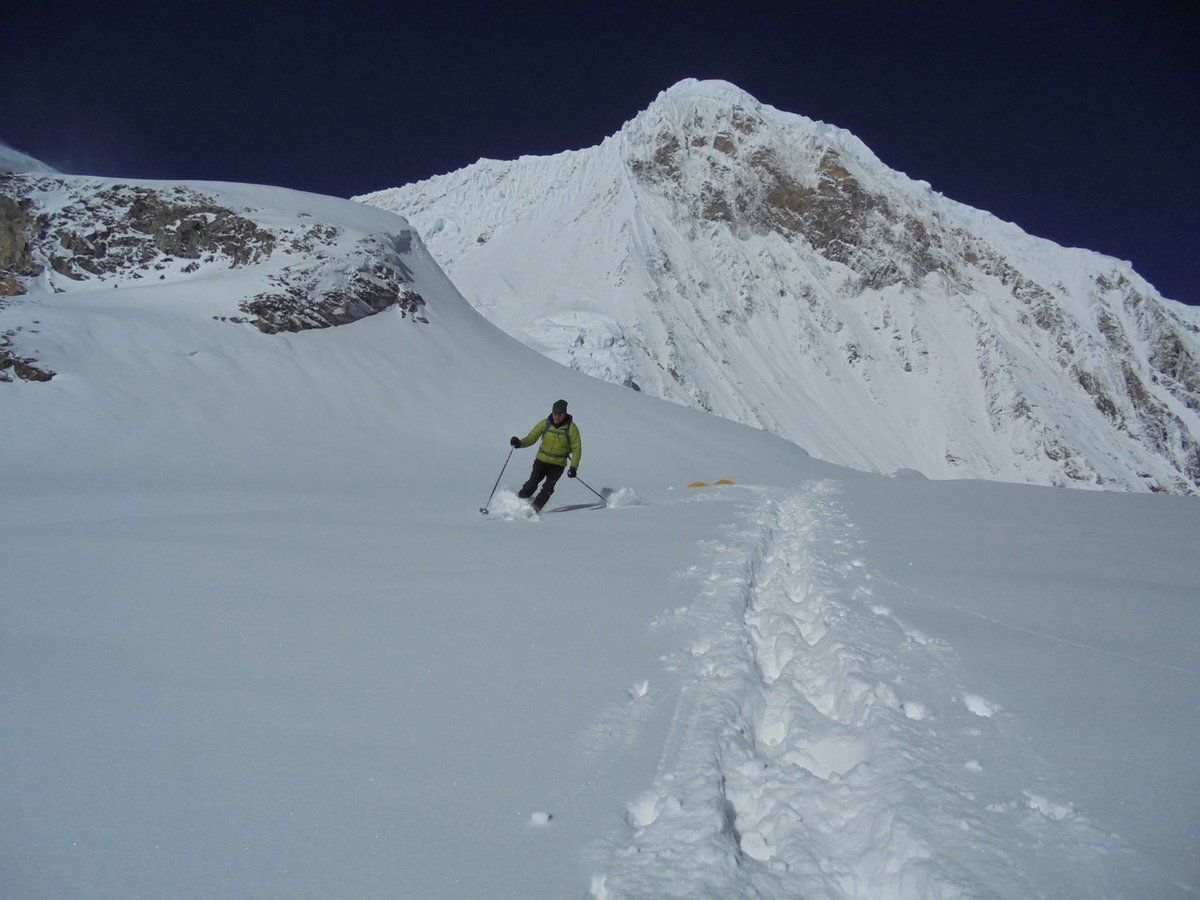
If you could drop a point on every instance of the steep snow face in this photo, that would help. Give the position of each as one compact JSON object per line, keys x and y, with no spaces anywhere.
{"x":770,"y":269}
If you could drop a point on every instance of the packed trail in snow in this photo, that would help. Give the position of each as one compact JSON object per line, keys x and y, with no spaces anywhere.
{"x":823,"y":747}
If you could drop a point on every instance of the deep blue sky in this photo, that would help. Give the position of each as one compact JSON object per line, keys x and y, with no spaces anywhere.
{"x":1078,"y":121}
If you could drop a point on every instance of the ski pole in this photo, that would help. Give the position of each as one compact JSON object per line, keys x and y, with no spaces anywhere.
{"x":592,"y":489}
{"x":484,"y":509}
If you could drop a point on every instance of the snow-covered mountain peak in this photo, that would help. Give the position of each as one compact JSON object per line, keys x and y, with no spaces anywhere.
{"x":770,"y":269}
{"x":702,"y":90}
{"x":721,"y":116}
{"x":693,"y":108}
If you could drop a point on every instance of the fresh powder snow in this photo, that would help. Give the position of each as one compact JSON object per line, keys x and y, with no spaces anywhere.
{"x":258,"y":640}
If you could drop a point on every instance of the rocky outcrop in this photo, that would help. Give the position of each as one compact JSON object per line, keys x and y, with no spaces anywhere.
{"x":107,"y":231}
{"x":726,"y":171}
{"x":297,"y":302}
{"x":70,"y":233}
{"x":322,"y":294}
{"x":16,"y":247}
{"x":132,"y":229}
{"x":15,"y":367}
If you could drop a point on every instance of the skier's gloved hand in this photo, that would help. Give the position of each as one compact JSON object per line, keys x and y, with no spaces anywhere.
{"x":571,"y":472}
{"x":515,"y":441}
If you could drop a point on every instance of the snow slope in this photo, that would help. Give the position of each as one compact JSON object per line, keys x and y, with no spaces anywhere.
{"x":771,"y":269}
{"x":257,"y":641}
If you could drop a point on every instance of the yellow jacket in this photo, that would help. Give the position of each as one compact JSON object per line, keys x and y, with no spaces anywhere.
{"x":558,"y":441}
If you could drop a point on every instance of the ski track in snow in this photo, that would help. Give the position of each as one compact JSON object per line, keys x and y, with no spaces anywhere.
{"x":822,"y":748}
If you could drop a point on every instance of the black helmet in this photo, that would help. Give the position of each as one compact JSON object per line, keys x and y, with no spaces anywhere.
{"x":559,"y":406}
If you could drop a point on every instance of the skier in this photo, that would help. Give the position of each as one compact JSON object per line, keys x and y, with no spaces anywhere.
{"x":560,"y":439}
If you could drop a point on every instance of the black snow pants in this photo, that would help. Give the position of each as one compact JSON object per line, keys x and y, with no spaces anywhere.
{"x":541,"y":469}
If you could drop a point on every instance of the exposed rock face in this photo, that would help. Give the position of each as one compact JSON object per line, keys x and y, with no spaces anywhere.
{"x":770,"y":269}
{"x":298,"y":302}
{"x":16,"y":251}
{"x":129,"y":229}
{"x":22,"y":367}
{"x":70,"y":233}
{"x":117,"y":230}
{"x":749,"y":184}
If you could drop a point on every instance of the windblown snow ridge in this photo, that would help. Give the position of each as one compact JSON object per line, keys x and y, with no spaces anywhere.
{"x":821,"y":747}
